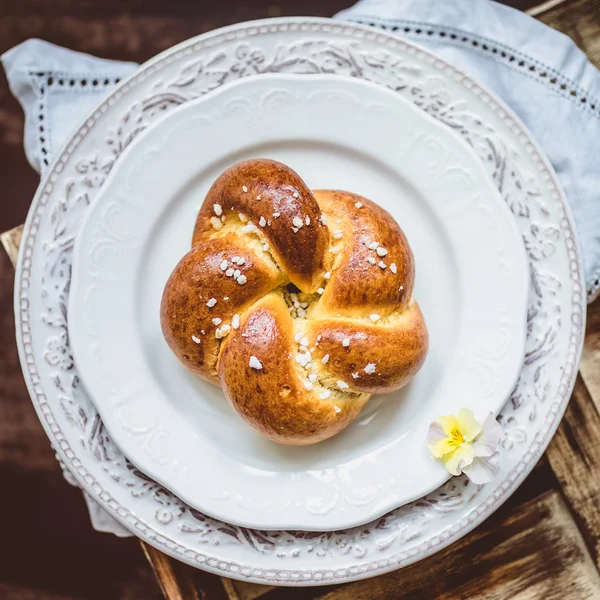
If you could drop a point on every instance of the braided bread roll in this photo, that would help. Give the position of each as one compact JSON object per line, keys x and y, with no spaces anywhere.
{"x":297,"y":303}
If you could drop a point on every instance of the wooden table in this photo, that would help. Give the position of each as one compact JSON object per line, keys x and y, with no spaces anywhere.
{"x":544,"y":543}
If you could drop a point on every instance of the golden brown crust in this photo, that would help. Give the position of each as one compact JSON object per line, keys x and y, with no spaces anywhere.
{"x":268,"y":189}
{"x":298,"y":368}
{"x":188,"y":322}
{"x":274,"y":399}
{"x":355,"y":282}
{"x":395,"y":348}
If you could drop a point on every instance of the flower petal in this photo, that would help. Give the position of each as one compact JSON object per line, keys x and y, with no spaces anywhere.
{"x":469,"y":426}
{"x":437,"y":440}
{"x":458,"y":459}
{"x":482,"y":470}
{"x":486,"y":442}
{"x":443,"y":447}
{"x":449,"y":424}
{"x":436,"y":433}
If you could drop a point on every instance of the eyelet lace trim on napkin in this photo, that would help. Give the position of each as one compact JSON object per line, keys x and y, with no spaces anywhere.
{"x":528,"y":66}
{"x":42,"y":81}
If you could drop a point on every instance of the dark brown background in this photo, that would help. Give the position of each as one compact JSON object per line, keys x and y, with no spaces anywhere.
{"x":48,"y":547}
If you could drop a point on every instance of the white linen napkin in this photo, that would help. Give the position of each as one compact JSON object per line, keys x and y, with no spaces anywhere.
{"x":536,"y":70}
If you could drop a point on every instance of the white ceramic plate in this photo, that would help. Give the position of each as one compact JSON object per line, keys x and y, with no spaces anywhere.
{"x":472,"y":283}
{"x":556,"y":305}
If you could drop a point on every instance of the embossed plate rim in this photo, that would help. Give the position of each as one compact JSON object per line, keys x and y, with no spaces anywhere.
{"x":255,"y":565}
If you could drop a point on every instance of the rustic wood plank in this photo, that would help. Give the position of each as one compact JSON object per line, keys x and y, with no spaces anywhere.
{"x":574,"y":456}
{"x":539,"y":9}
{"x":590,"y":359}
{"x":179,"y":581}
{"x":531,"y":554}
{"x":243,"y":590}
{"x":11,"y":240}
{"x":579,"y":19}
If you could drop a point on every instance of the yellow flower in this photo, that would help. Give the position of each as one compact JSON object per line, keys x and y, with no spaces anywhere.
{"x":465,"y":445}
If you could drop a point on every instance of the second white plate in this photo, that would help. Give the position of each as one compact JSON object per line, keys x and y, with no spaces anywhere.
{"x":336,"y":133}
